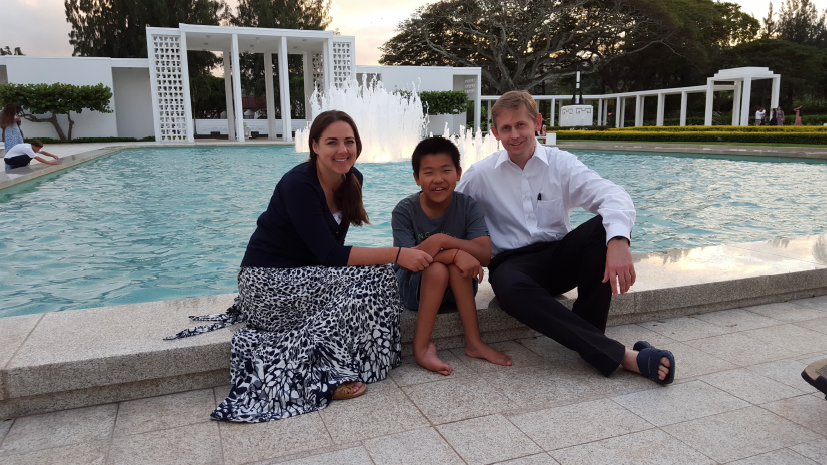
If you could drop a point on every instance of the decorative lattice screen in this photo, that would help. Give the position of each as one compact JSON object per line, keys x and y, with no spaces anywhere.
{"x":342,"y":69}
{"x":471,"y":87}
{"x":169,"y":85}
{"x":318,"y":71}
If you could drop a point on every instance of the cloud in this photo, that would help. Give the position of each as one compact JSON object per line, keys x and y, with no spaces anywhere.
{"x":38,"y":27}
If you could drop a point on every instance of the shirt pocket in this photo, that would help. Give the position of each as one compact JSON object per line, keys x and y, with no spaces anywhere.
{"x":551,"y":214}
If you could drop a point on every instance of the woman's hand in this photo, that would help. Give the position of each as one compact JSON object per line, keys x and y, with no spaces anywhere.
{"x":414,"y":259}
{"x":469,"y":266}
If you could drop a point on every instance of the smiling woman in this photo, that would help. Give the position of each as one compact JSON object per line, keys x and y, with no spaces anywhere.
{"x":317,"y":329}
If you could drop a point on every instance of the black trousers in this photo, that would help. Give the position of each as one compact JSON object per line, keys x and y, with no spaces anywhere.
{"x":18,"y":161}
{"x":526,"y":280}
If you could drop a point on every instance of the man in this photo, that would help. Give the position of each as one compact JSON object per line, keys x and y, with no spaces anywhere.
{"x":22,"y":154}
{"x":760,"y":114}
{"x":527,"y":193}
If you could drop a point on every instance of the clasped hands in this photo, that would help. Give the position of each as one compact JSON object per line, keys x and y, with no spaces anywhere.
{"x":420,"y":257}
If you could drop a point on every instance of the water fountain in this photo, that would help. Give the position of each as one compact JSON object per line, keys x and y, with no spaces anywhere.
{"x":390,"y":123}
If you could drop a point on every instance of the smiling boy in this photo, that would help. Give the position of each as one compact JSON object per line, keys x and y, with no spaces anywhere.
{"x":527,"y":193}
{"x":451,"y":228}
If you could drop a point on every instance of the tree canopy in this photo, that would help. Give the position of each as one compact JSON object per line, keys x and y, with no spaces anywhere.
{"x":56,"y":99}
{"x":8,"y":51}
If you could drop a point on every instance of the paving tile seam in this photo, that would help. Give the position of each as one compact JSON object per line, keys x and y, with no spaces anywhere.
{"x":14,"y":354}
{"x":819,"y":433}
{"x":439,"y":433}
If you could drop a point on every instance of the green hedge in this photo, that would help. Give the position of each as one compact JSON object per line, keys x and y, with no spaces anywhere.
{"x":89,"y":140}
{"x":444,"y":102}
{"x":809,"y":138}
{"x":758,"y":129}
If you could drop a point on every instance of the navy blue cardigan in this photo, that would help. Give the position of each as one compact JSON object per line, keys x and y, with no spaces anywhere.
{"x":298,"y":229}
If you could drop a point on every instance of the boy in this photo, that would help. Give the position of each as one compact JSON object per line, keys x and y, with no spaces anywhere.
{"x":450,"y":227}
{"x":22,"y":154}
{"x":527,"y":193}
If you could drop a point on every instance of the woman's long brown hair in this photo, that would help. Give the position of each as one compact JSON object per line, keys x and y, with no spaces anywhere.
{"x":7,"y":116}
{"x":348,"y":196}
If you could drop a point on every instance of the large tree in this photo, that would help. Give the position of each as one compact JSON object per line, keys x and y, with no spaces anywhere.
{"x":519,"y":44}
{"x":117,"y":28}
{"x":798,"y":22}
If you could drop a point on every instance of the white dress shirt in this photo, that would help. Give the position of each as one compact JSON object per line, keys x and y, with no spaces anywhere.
{"x":524,"y":206}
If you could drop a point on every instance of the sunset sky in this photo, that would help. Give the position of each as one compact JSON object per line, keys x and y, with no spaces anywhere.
{"x":39,"y":27}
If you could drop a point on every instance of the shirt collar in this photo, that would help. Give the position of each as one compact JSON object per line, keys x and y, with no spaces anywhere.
{"x":539,"y":153}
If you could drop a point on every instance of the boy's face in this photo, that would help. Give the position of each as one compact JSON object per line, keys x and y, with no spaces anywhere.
{"x":515,"y":130}
{"x":437,"y":177}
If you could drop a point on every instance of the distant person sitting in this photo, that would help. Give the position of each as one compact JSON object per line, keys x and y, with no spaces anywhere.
{"x":10,"y":127}
{"x":22,"y":154}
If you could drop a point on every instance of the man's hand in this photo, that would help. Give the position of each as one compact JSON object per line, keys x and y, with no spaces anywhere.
{"x":431,"y":245}
{"x":469,"y":266}
{"x":620,"y":271}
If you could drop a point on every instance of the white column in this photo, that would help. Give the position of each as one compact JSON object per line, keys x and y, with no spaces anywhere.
{"x":284,"y":90}
{"x":745,"y":101}
{"x":153,"y":86}
{"x":271,"y":104}
{"x":489,"y":116}
{"x":237,"y":103}
{"x":551,"y":110}
{"x":327,"y":58}
{"x":606,"y":113}
{"x":683,"y":108}
{"x":776,"y":92}
{"x":477,"y":101}
{"x":638,"y":110}
{"x":228,"y":91}
{"x":622,"y":112}
{"x":736,"y":105}
{"x":307,"y":67}
{"x":599,"y":112}
{"x":618,"y":106}
{"x":185,"y":75}
{"x":659,"y":118}
{"x":710,"y":87}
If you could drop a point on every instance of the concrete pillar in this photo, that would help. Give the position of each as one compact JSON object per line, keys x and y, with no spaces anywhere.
{"x":489,"y":116}
{"x":551,"y":110}
{"x":683,"y":108}
{"x":776,"y":92}
{"x":710,"y":88}
{"x":237,"y":103}
{"x":228,"y":90}
{"x":307,"y":68}
{"x":659,"y":117}
{"x":477,"y":101}
{"x":271,"y":104}
{"x":622,"y":112}
{"x":284,"y":90}
{"x":638,"y":110}
{"x":327,"y":61}
{"x":745,"y":101}
{"x":606,"y":112}
{"x":618,"y":106}
{"x":190,"y":124}
{"x":599,"y":112}
{"x":736,"y":105}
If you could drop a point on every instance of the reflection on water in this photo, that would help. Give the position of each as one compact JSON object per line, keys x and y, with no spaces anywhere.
{"x":161,"y":224}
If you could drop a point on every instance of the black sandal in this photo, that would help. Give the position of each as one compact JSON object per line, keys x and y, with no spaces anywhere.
{"x":648,"y":362}
{"x":816,"y":374}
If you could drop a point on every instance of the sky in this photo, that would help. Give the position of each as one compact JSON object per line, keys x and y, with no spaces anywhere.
{"x":39,"y":27}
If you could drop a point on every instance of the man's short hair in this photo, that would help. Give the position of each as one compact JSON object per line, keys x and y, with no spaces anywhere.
{"x":37,"y":143}
{"x":434,"y":146}
{"x":514,"y":100}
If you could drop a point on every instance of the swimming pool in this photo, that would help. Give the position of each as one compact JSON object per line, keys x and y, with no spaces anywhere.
{"x":159,"y":224}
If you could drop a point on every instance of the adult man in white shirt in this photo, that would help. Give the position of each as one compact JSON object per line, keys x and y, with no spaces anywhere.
{"x":22,"y":154}
{"x":527,"y":193}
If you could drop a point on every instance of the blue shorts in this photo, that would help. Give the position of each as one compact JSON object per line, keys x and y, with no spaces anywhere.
{"x":409,"y":288}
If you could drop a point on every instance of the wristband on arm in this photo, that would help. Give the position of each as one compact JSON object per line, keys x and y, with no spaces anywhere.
{"x":397,"y":255}
{"x":453,"y":260}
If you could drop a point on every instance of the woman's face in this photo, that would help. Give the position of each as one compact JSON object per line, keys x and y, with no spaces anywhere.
{"x":336,"y":149}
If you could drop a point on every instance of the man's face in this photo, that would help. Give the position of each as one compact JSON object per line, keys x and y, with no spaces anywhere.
{"x":515,"y":130}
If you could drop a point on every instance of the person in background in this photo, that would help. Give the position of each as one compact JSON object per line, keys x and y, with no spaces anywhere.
{"x":22,"y":154}
{"x":759,"y":116}
{"x":773,"y":118}
{"x":10,"y":127}
{"x":798,"y":114}
{"x":779,"y":116}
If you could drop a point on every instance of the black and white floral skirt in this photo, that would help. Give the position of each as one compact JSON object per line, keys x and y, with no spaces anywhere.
{"x":308,"y":330}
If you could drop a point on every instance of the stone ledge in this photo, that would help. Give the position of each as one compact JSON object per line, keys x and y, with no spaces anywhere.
{"x":77,"y":358}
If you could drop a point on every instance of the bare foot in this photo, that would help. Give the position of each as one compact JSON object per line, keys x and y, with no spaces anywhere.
{"x":484,"y":351}
{"x":349,"y":390}
{"x":429,"y":360}
{"x":630,"y":363}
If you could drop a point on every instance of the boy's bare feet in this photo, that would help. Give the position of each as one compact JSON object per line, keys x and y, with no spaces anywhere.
{"x":484,"y":351}
{"x":429,"y":360}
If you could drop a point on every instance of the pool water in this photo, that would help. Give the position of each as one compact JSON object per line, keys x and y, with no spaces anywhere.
{"x":159,"y":224}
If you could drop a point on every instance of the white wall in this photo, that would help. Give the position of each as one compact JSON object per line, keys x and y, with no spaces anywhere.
{"x":133,"y":97}
{"x":69,"y":70}
{"x":206,"y":126}
{"x":426,"y":77}
{"x":3,"y":77}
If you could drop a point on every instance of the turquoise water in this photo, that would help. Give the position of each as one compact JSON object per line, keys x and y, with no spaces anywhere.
{"x":160,"y":224}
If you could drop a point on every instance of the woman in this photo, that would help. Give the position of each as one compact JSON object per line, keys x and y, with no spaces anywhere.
{"x":798,"y":114}
{"x":779,"y":116}
{"x":773,"y":119}
{"x":318,"y":325}
{"x":10,"y":127}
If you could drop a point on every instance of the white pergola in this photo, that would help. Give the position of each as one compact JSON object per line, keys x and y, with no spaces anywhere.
{"x":328,"y":60}
{"x":741,"y":79}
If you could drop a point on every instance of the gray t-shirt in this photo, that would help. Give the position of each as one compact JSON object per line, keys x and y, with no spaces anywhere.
{"x":411,"y":226}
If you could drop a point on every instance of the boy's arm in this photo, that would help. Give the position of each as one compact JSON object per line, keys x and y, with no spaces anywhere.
{"x":479,"y":248}
{"x":43,"y":160}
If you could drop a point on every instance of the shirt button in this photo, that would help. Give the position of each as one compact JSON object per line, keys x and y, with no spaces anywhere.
{"x":529,"y":216}
{"x":526,"y":197}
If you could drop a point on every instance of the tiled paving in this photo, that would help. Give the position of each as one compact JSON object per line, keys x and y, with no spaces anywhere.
{"x":738,"y":398}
